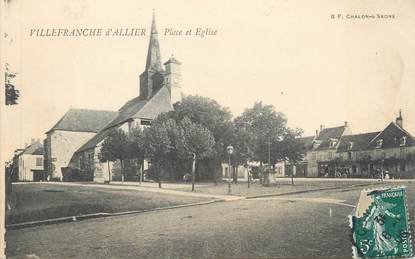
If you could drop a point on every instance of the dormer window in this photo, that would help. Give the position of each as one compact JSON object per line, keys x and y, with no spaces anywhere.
{"x":402,"y":141}
{"x":379,"y":143}
{"x":316,"y":144}
{"x":333,"y":142}
{"x":350,"y":146}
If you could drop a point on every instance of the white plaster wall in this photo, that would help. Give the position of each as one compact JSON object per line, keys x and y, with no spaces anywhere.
{"x":62,"y":146}
{"x":27,"y":163}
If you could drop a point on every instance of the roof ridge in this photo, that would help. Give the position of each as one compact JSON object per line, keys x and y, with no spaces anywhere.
{"x":88,"y":109}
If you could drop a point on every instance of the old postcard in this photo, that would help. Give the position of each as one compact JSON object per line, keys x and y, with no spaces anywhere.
{"x":218,"y":129}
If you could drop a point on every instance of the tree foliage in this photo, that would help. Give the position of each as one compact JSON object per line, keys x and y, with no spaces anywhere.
{"x":256,"y":129}
{"x":11,"y":93}
{"x":116,"y":146}
{"x":198,"y":140}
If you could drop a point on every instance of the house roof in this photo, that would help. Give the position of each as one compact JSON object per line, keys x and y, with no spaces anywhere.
{"x":137,"y":108}
{"x":83,"y":120}
{"x":306,"y":142}
{"x":329,"y":133}
{"x":391,"y":136}
{"x":360,"y":141}
{"x":36,"y":148}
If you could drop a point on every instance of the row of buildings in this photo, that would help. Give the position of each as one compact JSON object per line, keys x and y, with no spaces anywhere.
{"x":336,"y":152}
{"x":72,"y":146}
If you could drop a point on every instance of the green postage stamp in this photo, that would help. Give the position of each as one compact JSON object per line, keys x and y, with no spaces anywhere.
{"x":380,"y":225}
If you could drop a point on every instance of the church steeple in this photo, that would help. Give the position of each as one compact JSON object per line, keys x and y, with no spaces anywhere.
{"x":153,"y":54}
{"x":151,"y":80}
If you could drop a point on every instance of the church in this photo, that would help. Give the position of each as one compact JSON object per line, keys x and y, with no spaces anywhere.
{"x":160,"y":88}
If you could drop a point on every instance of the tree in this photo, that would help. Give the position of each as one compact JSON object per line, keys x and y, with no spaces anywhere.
{"x":12,"y":94}
{"x":262,"y":126}
{"x":158,"y":143}
{"x":137,"y":147}
{"x":217,"y":119}
{"x":289,"y":148}
{"x":199,"y":144}
{"x":115,"y":146}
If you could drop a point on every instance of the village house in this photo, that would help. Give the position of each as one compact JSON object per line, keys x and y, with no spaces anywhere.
{"x":28,"y":163}
{"x":324,"y":148}
{"x":336,"y":152}
{"x":160,"y":87}
{"x":68,"y":134}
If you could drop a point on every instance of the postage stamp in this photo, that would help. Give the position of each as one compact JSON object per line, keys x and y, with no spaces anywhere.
{"x":380,"y":226}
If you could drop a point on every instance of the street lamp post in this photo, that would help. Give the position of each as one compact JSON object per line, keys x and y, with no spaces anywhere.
{"x":229,"y":149}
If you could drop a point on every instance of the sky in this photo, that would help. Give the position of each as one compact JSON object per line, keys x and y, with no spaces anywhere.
{"x":291,"y":54}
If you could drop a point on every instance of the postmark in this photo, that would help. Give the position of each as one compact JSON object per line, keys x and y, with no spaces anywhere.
{"x":380,"y":225}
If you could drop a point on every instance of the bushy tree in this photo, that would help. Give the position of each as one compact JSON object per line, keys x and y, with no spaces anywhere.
{"x":261,"y":134}
{"x":116,"y":146}
{"x":137,"y":146}
{"x":217,"y":119}
{"x":159,"y":144}
{"x":199,"y":143}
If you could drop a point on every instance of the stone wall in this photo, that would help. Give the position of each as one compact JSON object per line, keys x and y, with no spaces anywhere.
{"x":61,"y":147}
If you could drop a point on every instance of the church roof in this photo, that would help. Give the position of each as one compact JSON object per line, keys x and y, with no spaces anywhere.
{"x":83,"y":120}
{"x":95,"y":140}
{"x":140,"y":108}
{"x":136,"y":108}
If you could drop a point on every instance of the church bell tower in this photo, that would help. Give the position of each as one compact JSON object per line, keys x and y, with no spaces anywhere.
{"x":173,"y":79}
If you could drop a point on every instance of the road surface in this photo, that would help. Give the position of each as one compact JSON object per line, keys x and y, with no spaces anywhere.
{"x":310,"y":224}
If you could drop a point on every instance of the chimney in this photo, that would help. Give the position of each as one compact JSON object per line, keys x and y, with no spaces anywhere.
{"x":321,"y":127}
{"x":399,"y":119}
{"x":316,"y":133}
{"x":345,"y":123}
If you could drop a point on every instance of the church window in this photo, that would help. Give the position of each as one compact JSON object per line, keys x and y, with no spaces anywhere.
{"x":379,"y":143}
{"x":402,"y":141}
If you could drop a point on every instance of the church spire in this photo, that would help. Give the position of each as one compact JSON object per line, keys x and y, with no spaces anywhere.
{"x":153,"y":54}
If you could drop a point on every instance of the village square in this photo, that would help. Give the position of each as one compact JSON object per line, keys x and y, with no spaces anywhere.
{"x":171,"y":175}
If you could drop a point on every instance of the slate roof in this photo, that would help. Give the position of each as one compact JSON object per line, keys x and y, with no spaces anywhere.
{"x":137,"y":108}
{"x":95,"y":140}
{"x":389,"y":134}
{"x":360,"y":141}
{"x":83,"y":120}
{"x":328,"y":133}
{"x":306,"y":142}
{"x":36,"y":148}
